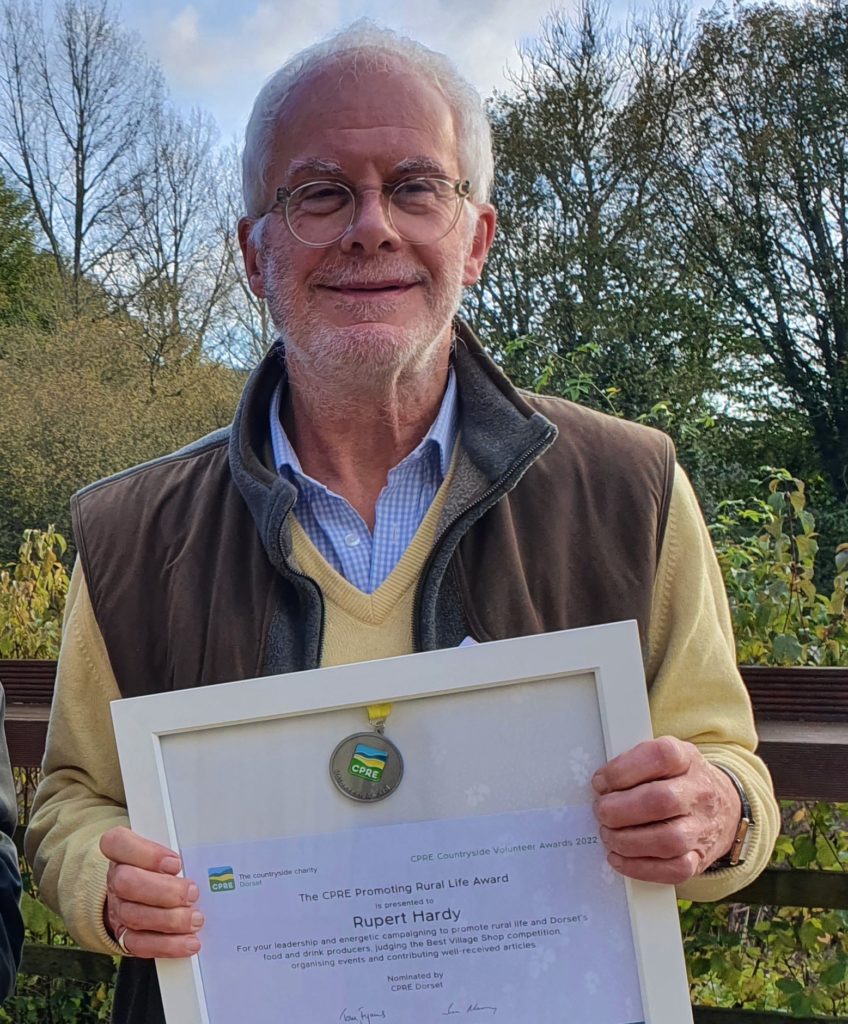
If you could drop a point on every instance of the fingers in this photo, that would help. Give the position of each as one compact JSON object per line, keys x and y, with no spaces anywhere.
{"x":662,"y":758}
{"x":666,"y":814}
{"x":140,"y":918}
{"x":662,"y":851}
{"x":650,"y":802}
{"x":147,"y":905}
{"x":671,"y":871}
{"x":154,"y":944}
{"x":123,"y":846}
{"x":149,"y":887}
{"x":664,"y":840}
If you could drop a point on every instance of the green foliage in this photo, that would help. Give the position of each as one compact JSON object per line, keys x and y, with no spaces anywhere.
{"x":769,"y":958}
{"x":81,"y":401}
{"x":42,"y":999}
{"x":767,"y":549}
{"x":788,"y":958}
{"x":32,"y":597}
{"x":45,"y":1000}
{"x":17,"y":252}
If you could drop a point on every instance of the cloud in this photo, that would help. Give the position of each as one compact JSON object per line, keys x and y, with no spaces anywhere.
{"x":480,"y":37}
{"x":217,"y":57}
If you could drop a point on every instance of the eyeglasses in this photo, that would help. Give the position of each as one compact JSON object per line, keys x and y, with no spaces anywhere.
{"x":420,"y":210}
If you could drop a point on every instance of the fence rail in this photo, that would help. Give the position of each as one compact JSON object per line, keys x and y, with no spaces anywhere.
{"x":802,"y":720}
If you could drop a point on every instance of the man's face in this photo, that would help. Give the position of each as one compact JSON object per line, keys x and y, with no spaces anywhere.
{"x":372,"y":299}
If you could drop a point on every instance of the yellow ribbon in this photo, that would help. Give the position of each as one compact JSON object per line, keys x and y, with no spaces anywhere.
{"x":377,"y":715}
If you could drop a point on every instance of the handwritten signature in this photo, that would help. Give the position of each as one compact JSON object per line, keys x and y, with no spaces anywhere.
{"x":361,"y":1016}
{"x":453,"y":1010}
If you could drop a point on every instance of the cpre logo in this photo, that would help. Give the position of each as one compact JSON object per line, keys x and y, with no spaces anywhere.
{"x":368,"y":763}
{"x":221,"y":879}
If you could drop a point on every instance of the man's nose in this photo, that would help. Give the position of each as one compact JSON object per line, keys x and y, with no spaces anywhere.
{"x":371,"y":230}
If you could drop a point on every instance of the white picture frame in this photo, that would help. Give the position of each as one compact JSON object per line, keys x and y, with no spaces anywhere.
{"x":167,"y":741}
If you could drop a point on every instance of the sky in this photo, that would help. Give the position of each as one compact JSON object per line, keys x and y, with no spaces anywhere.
{"x":217,"y":53}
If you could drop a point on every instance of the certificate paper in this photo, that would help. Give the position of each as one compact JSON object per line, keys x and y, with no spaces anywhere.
{"x":479,"y":889}
{"x":514,"y":917}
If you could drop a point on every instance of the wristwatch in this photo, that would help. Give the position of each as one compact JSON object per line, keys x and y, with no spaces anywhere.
{"x":739,"y":849}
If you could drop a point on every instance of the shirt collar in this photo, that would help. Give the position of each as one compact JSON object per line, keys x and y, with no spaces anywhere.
{"x":441,"y":436}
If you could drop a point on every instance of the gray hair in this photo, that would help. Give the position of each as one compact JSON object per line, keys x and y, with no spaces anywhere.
{"x":363,"y":40}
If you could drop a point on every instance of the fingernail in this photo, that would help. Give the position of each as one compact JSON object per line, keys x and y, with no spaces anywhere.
{"x":598,"y":783}
{"x":197,"y":919}
{"x":193,"y":892}
{"x":171,"y":864}
{"x":192,"y":945}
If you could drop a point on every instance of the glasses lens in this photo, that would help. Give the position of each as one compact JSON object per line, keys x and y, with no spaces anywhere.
{"x":424,"y":209}
{"x":320,"y":212}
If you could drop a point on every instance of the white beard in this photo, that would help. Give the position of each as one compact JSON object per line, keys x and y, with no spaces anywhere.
{"x":368,"y":357}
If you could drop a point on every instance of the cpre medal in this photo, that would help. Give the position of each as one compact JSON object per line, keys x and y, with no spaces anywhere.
{"x":366,"y":766}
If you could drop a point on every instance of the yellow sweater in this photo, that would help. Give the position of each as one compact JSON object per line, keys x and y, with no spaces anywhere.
{"x":696,"y":693}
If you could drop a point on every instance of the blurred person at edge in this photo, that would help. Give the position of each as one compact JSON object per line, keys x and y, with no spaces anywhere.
{"x":11,"y":923}
{"x":374,"y":420}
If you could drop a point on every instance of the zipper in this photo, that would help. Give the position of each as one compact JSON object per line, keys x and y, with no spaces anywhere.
{"x":529,"y":456}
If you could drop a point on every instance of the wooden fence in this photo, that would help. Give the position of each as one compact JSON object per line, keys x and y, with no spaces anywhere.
{"x":802,"y":720}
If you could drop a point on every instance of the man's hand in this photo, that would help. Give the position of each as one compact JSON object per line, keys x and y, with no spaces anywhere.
{"x":666,"y":813}
{"x":146,"y":905}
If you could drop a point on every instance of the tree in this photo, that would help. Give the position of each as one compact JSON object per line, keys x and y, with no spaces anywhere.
{"x":170,"y":271}
{"x":77,"y":406}
{"x":757,"y":190}
{"x":17,"y":251}
{"x":243,"y":330}
{"x":580,"y":269}
{"x":73,"y":101}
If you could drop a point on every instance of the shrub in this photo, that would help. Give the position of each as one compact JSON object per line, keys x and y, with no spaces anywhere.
{"x":32,"y":597}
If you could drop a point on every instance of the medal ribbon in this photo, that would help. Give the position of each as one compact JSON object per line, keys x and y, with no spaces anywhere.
{"x":377,"y":715}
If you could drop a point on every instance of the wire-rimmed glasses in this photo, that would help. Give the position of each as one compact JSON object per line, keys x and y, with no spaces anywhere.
{"x":421,"y":210}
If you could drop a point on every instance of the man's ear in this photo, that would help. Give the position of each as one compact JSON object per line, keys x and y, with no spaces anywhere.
{"x":484,"y":233}
{"x":252,"y":257}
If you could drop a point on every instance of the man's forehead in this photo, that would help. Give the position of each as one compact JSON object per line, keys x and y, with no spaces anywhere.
{"x":337,"y":111}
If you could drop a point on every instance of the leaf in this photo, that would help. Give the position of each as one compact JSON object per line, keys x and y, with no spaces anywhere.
{"x":800,"y":1003}
{"x":810,"y":932}
{"x":807,"y":549}
{"x":805,"y":851}
{"x":786,"y":649}
{"x":789,"y":986}
{"x":38,"y":918}
{"x":835,"y":974}
{"x":824,"y":854}
{"x":797,"y":500}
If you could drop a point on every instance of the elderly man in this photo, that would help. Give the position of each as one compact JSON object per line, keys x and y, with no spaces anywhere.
{"x":384,"y":489}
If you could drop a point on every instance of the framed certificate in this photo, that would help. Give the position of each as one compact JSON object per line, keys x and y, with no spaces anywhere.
{"x":474,"y":888}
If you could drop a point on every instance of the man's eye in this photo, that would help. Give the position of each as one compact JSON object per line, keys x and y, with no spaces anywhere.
{"x":421,"y":194}
{"x":323,"y":197}
{"x":418,"y":187}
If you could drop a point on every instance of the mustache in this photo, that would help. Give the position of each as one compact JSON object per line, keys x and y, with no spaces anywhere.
{"x":340,"y":275}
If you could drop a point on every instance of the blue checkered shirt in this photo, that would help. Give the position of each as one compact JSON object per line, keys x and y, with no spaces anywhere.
{"x":339,"y":532}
